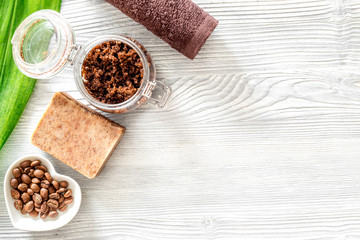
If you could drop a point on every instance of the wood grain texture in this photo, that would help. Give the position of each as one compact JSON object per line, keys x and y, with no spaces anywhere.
{"x":260,"y":139}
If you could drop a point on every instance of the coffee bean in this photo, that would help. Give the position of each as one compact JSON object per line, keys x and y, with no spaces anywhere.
{"x":18,"y":204}
{"x":31,"y":173}
{"x":22,"y":187}
{"x":61,"y":199}
{"x":16,"y":172}
{"x":61,"y":190}
{"x":37,"y":198}
{"x":35,"y":191}
{"x":52,"y":203}
{"x":68,"y":200}
{"x":34,"y":213}
{"x":53,"y":214}
{"x":44,"y":192}
{"x":14,"y":183}
{"x":51,"y":189}
{"x":25,"y":178}
{"x":44,"y":215}
{"x":45,"y":184}
{"x":35,"y":187}
{"x":48,"y":177}
{"x":25,"y":197}
{"x":30,"y":192}
{"x":67,"y":193}
{"x":64,"y":184}
{"x":15,"y":194}
{"x":62,"y":207}
{"x":39,"y":173}
{"x":27,"y":170}
{"x":44,"y":207}
{"x":55,"y":184}
{"x":35,"y":163}
{"x":29,"y":206}
{"x":35,"y":180}
{"x":25,"y":163}
{"x":54,"y":196}
{"x":23,"y":211}
{"x":41,"y":167}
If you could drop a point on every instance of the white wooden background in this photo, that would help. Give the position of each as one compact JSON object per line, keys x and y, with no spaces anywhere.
{"x":260,"y":140}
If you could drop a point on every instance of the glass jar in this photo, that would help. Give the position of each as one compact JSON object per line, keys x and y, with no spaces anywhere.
{"x":44,"y":44}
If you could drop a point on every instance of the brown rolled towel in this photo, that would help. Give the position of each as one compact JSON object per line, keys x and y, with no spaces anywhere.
{"x":180,"y":23}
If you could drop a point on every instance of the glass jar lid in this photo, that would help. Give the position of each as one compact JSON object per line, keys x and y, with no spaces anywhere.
{"x":42,"y":44}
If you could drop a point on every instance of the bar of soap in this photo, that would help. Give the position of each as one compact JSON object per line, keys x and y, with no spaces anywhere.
{"x":77,"y":135}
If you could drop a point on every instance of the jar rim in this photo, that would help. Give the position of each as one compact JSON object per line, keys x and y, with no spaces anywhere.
{"x":80,"y":81}
{"x":57,"y":59}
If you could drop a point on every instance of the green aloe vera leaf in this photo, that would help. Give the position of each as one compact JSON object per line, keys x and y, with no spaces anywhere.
{"x":15,"y":88}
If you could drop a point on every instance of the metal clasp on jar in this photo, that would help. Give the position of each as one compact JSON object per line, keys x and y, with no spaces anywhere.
{"x":73,"y":54}
{"x":157,"y":93}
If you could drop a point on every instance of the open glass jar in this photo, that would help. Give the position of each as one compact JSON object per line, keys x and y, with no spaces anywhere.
{"x":44,"y":44}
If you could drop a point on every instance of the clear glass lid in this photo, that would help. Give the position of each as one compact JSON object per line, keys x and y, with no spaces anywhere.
{"x":42,"y":44}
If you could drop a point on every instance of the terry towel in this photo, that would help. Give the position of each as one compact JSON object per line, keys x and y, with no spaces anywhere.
{"x":180,"y":23}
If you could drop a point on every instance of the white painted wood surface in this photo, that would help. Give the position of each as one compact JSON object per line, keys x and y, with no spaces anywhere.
{"x":260,"y":140}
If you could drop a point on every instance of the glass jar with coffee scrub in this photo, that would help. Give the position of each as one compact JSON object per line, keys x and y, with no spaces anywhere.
{"x":114,"y":73}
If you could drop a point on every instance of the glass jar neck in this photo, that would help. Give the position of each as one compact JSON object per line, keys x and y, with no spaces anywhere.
{"x":149,"y":72}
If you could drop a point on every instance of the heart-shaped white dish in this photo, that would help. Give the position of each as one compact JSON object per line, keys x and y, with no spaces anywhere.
{"x":26,"y":222}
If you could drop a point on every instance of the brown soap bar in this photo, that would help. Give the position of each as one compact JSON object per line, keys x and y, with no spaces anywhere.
{"x":180,"y":23}
{"x":77,"y":135}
